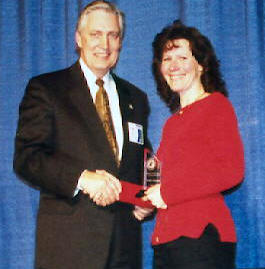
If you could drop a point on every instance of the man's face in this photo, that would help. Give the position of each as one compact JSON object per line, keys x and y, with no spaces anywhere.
{"x":99,"y":41}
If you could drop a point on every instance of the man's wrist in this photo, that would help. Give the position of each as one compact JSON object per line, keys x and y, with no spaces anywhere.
{"x":81,"y":181}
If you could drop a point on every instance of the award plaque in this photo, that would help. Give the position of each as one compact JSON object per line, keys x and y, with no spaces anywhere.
{"x":152,"y":171}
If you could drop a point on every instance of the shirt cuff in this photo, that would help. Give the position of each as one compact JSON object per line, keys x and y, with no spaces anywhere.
{"x":79,"y":185}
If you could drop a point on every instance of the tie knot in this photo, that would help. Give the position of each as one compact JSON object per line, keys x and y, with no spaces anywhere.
{"x":100,"y":82}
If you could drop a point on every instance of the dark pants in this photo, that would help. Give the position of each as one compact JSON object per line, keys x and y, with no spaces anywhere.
{"x":206,"y":252}
{"x":125,"y":248}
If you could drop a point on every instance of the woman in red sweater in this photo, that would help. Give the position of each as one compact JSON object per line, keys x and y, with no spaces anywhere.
{"x":201,"y":154}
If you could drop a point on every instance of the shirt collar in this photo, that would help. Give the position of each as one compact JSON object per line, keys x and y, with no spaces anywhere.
{"x":90,"y":76}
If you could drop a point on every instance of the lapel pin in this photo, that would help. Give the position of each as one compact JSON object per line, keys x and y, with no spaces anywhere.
{"x":130,"y":106}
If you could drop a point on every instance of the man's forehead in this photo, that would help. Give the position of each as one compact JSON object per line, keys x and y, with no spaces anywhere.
{"x":94,"y":20}
{"x":102,"y":17}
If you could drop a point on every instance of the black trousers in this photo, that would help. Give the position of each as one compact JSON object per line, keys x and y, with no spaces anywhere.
{"x":206,"y":252}
{"x":126,"y":246}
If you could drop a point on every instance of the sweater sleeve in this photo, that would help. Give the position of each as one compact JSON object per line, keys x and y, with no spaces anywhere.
{"x":207,"y":158}
{"x":129,"y":190}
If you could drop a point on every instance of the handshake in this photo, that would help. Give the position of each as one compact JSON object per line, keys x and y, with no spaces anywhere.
{"x":102,"y":187}
{"x":105,"y":189}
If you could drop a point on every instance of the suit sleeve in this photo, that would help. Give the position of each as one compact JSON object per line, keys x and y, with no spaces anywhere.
{"x":211,"y":159}
{"x":37,"y":159}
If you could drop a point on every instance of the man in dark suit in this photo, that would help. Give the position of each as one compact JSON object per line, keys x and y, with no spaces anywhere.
{"x":61,"y":146}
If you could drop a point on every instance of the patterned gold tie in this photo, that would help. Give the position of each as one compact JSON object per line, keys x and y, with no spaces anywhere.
{"x":103,"y":109}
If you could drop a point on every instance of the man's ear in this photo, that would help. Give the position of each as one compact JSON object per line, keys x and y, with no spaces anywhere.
{"x":78,"y":39}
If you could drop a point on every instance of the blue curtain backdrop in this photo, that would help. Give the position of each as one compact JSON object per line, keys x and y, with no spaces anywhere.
{"x":37,"y":36}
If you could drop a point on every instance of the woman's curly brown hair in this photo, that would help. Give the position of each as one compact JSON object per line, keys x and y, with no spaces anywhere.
{"x":203,"y":52}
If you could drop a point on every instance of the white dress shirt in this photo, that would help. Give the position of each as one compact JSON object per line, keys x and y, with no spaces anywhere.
{"x":110,"y":87}
{"x":111,"y":90}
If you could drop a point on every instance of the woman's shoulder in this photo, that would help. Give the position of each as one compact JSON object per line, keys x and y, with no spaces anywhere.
{"x":218,"y":101}
{"x":220,"y":108}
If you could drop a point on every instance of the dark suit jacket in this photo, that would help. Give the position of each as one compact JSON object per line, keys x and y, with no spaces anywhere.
{"x":59,"y":135}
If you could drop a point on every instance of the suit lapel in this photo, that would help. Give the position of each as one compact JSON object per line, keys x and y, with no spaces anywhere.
{"x":127,"y":111}
{"x":82,"y":101}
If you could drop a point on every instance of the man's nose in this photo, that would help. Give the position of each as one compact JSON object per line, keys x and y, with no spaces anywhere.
{"x":104,"y":42}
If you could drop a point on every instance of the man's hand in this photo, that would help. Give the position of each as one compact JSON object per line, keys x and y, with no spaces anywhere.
{"x":154,"y":196}
{"x":102,"y":187}
{"x":141,"y":212}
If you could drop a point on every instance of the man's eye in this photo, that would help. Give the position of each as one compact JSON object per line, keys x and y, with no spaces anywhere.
{"x":114,"y":35}
{"x":165,"y":59}
{"x":94,"y":34}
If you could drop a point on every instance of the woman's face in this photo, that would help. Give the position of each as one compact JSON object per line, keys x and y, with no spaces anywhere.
{"x":179,"y":67}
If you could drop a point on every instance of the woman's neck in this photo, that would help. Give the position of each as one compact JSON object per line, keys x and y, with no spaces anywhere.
{"x":192,"y":96}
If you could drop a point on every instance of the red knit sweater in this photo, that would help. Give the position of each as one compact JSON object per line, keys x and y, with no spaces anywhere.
{"x":202,"y":155}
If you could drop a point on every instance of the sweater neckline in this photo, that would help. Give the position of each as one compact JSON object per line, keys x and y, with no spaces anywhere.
{"x":194,"y":104}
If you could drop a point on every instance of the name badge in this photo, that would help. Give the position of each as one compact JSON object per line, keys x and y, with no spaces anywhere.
{"x":136,"y":133}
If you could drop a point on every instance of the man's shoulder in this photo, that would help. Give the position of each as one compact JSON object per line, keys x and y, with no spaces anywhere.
{"x":52,"y":77}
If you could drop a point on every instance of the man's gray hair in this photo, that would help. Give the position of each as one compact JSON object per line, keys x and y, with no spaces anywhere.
{"x":101,"y":5}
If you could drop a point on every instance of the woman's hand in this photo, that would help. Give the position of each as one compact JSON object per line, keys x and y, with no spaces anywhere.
{"x":154,"y":196}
